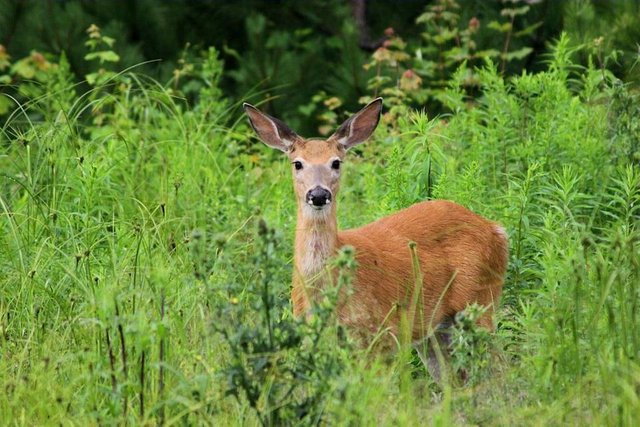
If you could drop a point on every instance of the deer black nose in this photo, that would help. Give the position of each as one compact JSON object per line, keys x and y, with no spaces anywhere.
{"x":319,"y":196}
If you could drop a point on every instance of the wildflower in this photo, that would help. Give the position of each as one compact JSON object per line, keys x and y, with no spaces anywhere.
{"x":332,"y":103}
{"x":93,"y":31}
{"x":382,"y":54}
{"x":474,"y":24}
{"x":410,"y":81}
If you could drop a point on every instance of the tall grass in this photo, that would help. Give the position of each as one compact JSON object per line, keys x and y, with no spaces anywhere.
{"x":135,"y":282}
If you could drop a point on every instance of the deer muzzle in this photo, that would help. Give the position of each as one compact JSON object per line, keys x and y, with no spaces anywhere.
{"x":318,"y":197}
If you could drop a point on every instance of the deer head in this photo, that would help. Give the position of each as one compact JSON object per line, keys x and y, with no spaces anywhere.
{"x":316,"y":163}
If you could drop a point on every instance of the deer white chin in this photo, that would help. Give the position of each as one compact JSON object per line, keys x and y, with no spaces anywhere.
{"x":317,"y":211}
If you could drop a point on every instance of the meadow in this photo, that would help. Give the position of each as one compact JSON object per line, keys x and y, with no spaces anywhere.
{"x":146,"y":250}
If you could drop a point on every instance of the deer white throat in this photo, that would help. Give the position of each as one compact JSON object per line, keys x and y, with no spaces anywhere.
{"x":316,"y":237}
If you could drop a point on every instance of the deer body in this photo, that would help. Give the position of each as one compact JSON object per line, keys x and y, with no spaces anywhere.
{"x":462,"y":256}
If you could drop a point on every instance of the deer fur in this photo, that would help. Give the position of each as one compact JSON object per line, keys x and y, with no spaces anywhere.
{"x":462,"y":256}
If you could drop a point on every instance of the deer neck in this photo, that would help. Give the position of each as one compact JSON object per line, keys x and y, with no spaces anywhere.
{"x":316,"y":241}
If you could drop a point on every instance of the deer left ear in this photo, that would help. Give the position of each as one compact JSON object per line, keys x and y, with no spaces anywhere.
{"x":360,"y":126}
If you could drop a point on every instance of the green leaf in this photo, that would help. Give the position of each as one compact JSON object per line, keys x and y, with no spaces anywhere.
{"x":491,"y":53}
{"x":91,"y":78}
{"x":503,"y":28}
{"x":108,"y":40}
{"x":24,"y":68}
{"x":278,"y":40}
{"x":232,"y":52}
{"x":515,"y":11}
{"x":5,"y":105}
{"x":91,"y":43}
{"x":99,"y":77}
{"x":518,"y":54}
{"x":103,"y":56}
{"x":529,"y":30}
{"x":426,"y":17}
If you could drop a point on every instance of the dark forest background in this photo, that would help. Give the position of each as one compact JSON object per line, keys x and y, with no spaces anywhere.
{"x":288,"y":52}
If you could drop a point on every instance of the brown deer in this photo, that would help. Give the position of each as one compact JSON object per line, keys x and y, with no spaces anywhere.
{"x":462,"y":256}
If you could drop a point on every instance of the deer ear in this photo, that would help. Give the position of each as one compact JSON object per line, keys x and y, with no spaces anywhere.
{"x":271,"y":131}
{"x":360,"y":126}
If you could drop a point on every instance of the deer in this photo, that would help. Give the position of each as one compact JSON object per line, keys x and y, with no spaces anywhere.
{"x":462,"y":256}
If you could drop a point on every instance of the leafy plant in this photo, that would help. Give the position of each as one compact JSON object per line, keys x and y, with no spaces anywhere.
{"x":470,"y":346}
{"x":281,"y":366}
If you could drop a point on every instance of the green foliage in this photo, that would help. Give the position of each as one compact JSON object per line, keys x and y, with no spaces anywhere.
{"x":470,"y":346}
{"x":444,"y":56}
{"x":100,"y":50}
{"x":412,"y":164}
{"x":32,"y":79}
{"x":606,"y":27}
{"x":277,"y":62}
{"x":134,"y":289}
{"x":291,"y":51}
{"x":282,"y":367}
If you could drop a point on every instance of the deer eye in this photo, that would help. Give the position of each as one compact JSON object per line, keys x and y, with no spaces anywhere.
{"x":335,"y":165}
{"x":298,"y":165}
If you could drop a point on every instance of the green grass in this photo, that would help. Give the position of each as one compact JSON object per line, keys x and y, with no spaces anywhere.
{"x":129,"y":240}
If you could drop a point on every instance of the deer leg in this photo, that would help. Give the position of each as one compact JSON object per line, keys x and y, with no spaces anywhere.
{"x":434,"y":352}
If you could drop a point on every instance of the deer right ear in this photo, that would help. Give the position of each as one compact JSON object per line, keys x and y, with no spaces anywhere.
{"x":270,"y":130}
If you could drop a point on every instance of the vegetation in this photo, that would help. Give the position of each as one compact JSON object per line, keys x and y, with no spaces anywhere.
{"x":284,"y":53}
{"x":146,"y":243}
